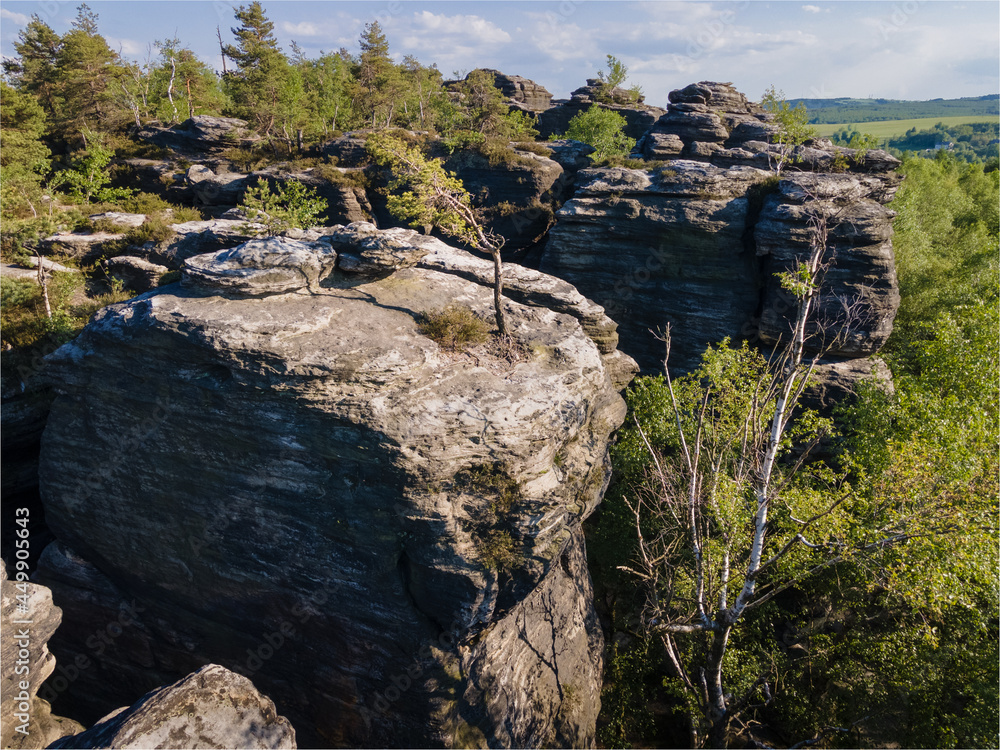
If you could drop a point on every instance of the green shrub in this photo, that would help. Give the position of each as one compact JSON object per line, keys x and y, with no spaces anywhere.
{"x":145,"y":203}
{"x":154,"y":229}
{"x":294,"y":205}
{"x":88,"y":176}
{"x":603,"y":129}
{"x":17,"y":293}
{"x":454,"y":328}
{"x":535,"y":148}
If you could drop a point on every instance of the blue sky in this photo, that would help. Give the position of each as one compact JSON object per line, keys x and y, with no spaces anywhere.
{"x":899,"y":49}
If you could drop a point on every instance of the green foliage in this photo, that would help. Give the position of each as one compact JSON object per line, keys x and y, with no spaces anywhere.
{"x":293,"y":205}
{"x":793,"y":125}
{"x":16,"y":293}
{"x":946,"y":238}
{"x":264,"y":88}
{"x":498,"y":550}
{"x":88,"y":176}
{"x":24,"y":159}
{"x":846,"y":110}
{"x":455,"y":328}
{"x":603,"y":129}
{"x":614,"y":78}
{"x":424,"y":193}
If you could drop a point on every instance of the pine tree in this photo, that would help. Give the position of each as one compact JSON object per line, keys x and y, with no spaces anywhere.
{"x":24,"y":159}
{"x":86,"y":67}
{"x":379,"y":85}
{"x":264,"y":88}
{"x":34,"y":71}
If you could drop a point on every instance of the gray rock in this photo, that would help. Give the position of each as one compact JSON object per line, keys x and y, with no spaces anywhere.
{"x":517,"y":196}
{"x":686,"y":246}
{"x":348,"y":150}
{"x":135,"y":273}
{"x":272,"y":265}
{"x":198,"y":237}
{"x":716,"y":123}
{"x":200,"y":134}
{"x":120,"y":219}
{"x":365,"y":250}
{"x":524,"y":93}
{"x":385,"y":535}
{"x":211,"y":708}
{"x":211,"y":189}
{"x":27,"y":619}
{"x":86,"y":247}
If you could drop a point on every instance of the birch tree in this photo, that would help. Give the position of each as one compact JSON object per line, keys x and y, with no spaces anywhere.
{"x":730,"y":512}
{"x":427,"y":195}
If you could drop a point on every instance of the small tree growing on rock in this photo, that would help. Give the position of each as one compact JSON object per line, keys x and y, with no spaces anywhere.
{"x":793,"y":125}
{"x":293,"y":206}
{"x":433,"y":197}
{"x":604,"y":130}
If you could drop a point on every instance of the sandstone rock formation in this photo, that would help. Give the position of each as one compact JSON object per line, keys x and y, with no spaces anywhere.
{"x":27,"y":621}
{"x":697,"y":243}
{"x":296,"y":483}
{"x":523,"y":93}
{"x":137,"y":274}
{"x":211,"y":708}
{"x":85,"y":247}
{"x":714,"y":122}
{"x":640,"y":117}
{"x":200,"y":134}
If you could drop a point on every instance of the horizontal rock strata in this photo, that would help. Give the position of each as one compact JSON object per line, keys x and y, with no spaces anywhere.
{"x":298,"y":484}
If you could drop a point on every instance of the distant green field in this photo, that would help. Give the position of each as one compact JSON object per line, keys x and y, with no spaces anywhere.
{"x":896,"y":128}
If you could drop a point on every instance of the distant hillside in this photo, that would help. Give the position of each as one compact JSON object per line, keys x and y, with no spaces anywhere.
{"x":846,"y":110}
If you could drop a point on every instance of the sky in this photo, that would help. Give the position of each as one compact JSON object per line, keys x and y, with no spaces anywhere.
{"x":894,"y":49}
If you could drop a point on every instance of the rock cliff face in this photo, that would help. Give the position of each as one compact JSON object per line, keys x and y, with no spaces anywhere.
{"x":697,"y":242}
{"x":278,"y":472}
{"x":27,"y":619}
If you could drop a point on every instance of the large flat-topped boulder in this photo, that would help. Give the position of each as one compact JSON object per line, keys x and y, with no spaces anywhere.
{"x":385,"y":535}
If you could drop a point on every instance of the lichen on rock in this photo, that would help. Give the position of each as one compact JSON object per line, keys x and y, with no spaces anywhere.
{"x":289,"y":463}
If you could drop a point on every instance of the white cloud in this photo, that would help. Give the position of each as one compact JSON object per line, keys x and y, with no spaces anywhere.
{"x":302,"y":28}
{"x":18,"y":18}
{"x":812,"y":9}
{"x":469,"y":30}
{"x":127,"y":47}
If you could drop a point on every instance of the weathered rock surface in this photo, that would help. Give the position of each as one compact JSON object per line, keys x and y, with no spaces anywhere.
{"x":135,"y":273}
{"x":86,"y":247}
{"x":198,"y":237}
{"x":29,"y":271}
{"x":211,"y":708}
{"x":27,"y":620}
{"x":714,"y":122}
{"x":697,"y":246}
{"x":639,"y":117}
{"x":697,"y":243}
{"x":120,"y":219}
{"x":384,"y":535}
{"x":859,"y":295}
{"x":517,"y":196}
{"x":260,"y":268}
{"x":523,"y":93}
{"x":200,"y":134}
